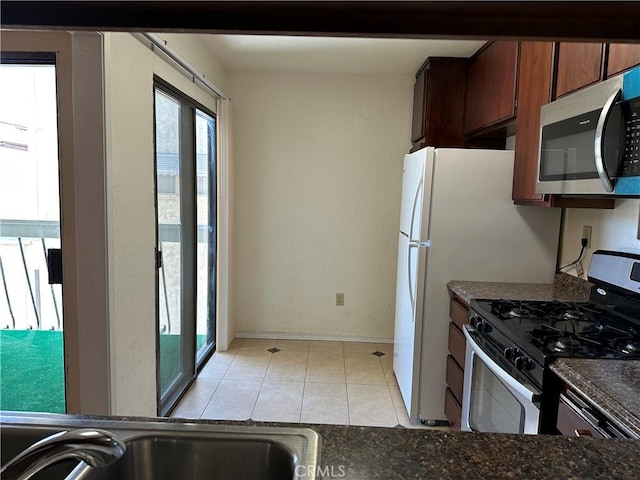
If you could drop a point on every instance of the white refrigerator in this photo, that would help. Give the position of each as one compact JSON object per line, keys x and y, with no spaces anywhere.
{"x":457,"y":222}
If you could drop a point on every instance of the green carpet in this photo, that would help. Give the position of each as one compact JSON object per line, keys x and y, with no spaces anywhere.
{"x":170,"y":357}
{"x":31,"y":371}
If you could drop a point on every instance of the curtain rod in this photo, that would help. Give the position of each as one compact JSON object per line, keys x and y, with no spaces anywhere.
{"x":161,"y":48}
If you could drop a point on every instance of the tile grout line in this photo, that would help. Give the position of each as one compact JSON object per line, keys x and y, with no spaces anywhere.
{"x":211,"y":399}
{"x":393,"y":405}
{"x":261,"y":384}
{"x":304,"y":383}
{"x":214,"y":390}
{"x":222,"y":377}
{"x":346,"y":385}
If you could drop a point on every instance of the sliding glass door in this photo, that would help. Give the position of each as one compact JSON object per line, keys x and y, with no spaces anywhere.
{"x":186,"y":181}
{"x":206,"y":195}
{"x":32,"y":370}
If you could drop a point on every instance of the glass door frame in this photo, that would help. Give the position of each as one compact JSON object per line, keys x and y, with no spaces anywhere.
{"x":82,"y":148}
{"x":188,"y":239}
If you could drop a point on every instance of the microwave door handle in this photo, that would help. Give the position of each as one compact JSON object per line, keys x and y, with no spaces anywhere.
{"x":601,"y":167}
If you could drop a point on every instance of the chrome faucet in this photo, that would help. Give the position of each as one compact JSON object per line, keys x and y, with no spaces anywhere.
{"x":95,"y":447}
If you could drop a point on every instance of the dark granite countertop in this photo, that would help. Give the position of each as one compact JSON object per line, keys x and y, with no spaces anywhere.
{"x":612,"y":385}
{"x":367,"y":453}
{"x":565,"y":288}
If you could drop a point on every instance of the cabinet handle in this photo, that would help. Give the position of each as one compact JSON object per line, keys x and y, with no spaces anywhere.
{"x":583,"y":432}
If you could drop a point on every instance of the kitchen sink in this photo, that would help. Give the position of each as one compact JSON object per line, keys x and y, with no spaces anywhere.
{"x":16,"y":438}
{"x":178,"y":451}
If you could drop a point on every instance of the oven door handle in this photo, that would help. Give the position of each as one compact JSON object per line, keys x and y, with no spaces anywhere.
{"x":498,"y":371}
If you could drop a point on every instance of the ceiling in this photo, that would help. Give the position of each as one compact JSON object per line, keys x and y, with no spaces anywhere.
{"x":273,"y":53}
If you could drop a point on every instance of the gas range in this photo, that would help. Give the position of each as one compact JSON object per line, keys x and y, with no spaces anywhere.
{"x":525,"y":336}
{"x":508,"y":386}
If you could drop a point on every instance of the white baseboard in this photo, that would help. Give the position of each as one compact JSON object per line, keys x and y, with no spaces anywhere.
{"x":301,"y":336}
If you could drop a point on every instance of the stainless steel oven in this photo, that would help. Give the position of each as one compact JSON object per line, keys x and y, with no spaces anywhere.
{"x":508,"y":386}
{"x":496,"y":396}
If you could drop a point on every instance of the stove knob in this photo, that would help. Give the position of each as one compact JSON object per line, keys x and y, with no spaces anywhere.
{"x":510,"y":353}
{"x":482,"y":326}
{"x":523,"y":363}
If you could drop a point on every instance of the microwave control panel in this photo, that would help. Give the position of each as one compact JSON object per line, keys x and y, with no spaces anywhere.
{"x":630,"y":166}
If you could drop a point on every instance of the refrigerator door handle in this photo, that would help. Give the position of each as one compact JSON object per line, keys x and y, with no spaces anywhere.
{"x":416,"y":244}
{"x":413,"y":208}
{"x":425,"y":244}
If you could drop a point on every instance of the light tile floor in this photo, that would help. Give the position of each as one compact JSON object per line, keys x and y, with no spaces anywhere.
{"x":340,"y":383}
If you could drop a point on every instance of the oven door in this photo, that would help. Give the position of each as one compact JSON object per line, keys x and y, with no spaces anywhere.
{"x":492,"y":400}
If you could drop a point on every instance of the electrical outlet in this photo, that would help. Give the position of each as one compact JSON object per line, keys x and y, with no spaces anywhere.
{"x":339,"y":299}
{"x":586,"y":233}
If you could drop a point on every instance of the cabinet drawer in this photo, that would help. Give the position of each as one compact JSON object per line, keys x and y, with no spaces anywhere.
{"x":452,"y":410}
{"x":457,"y":344}
{"x":455,"y":378}
{"x":458,"y":313}
{"x":569,"y":423}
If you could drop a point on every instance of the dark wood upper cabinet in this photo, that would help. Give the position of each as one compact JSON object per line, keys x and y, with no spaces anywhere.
{"x":622,"y":57}
{"x":577,"y":65}
{"x":492,"y":86}
{"x":438,"y":103}
{"x":534,"y":89}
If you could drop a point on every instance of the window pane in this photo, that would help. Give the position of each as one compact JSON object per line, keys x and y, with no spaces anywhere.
{"x":206,"y":237}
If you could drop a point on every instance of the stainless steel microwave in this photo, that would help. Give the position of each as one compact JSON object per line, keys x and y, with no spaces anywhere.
{"x":590,"y":140}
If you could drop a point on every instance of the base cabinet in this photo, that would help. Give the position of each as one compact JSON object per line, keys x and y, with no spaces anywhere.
{"x":459,"y":315}
{"x":452,"y":410}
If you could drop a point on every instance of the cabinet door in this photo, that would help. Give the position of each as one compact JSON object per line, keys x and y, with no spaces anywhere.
{"x":491,"y":86}
{"x":578,"y":65}
{"x":534,"y":89}
{"x":418,"y":123}
{"x":455,"y":378}
{"x":622,"y":57}
{"x":457,"y":344}
{"x":452,"y":410}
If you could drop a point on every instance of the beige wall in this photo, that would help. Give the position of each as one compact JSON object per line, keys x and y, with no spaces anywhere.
{"x":615,"y":229}
{"x":129,"y":79}
{"x":317,"y":180}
